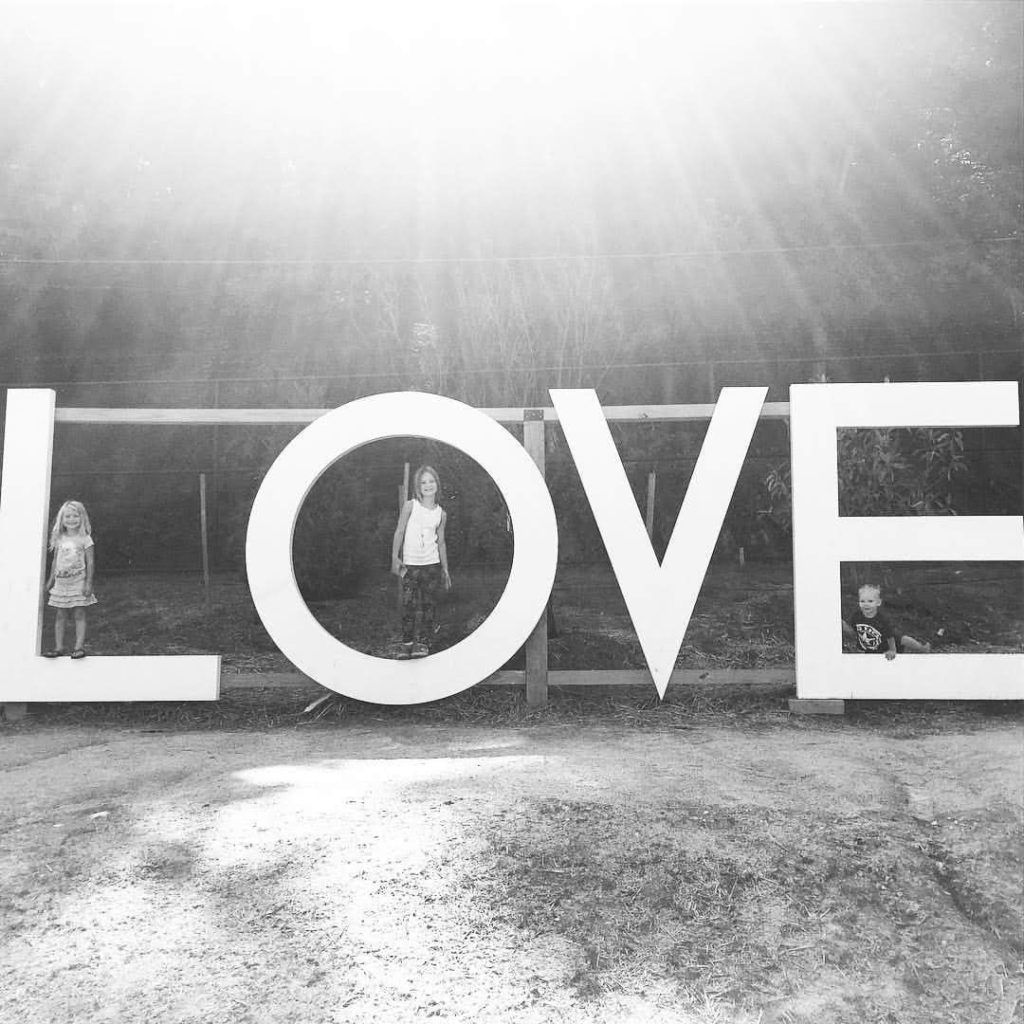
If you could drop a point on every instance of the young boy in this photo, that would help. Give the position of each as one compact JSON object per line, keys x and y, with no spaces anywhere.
{"x":873,"y":630}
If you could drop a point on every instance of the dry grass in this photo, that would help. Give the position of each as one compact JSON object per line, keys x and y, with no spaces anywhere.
{"x":743,"y":618}
{"x":741,"y":707}
{"x":747,"y":908}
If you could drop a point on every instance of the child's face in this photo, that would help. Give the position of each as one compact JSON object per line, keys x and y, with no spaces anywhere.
{"x":870,"y":601}
{"x":428,"y":486}
{"x":71,"y":520}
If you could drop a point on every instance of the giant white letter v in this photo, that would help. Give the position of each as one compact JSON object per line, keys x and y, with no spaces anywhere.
{"x":660,"y":598}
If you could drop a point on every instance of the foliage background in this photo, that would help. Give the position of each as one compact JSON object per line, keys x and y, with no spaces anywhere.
{"x":842,"y":197}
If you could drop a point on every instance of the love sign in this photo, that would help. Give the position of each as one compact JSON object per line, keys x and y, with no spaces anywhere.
{"x":660,"y":597}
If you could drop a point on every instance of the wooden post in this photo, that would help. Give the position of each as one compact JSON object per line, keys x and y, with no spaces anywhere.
{"x":13,"y":712}
{"x":403,"y":497}
{"x":537,"y":642}
{"x":203,"y":536}
{"x":652,"y":481}
{"x":1020,"y":421}
{"x":213,"y":498}
{"x":806,"y":706}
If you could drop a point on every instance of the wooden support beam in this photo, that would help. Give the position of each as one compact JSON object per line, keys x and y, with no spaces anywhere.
{"x":681,"y":677}
{"x":13,"y":712}
{"x":652,"y":483}
{"x":203,"y":536}
{"x":804,"y":706}
{"x":566,"y":679}
{"x":270,"y":417}
{"x":537,"y":643}
{"x":403,"y":497}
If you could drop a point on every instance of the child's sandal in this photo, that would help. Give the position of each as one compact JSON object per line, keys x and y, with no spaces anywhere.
{"x":54,"y":652}
{"x":77,"y":654}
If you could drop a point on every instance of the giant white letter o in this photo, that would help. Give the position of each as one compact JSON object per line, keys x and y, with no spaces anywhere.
{"x":268,"y":549}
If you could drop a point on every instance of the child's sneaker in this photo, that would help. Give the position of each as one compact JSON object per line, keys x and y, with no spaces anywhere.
{"x":405,"y":651}
{"x":419,"y":650}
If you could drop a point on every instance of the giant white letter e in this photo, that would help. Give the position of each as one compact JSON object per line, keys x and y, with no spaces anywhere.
{"x":822,"y":539}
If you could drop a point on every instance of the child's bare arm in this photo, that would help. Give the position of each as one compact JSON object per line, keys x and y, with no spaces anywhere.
{"x":90,"y":566}
{"x":396,"y":543}
{"x":891,"y":652}
{"x":442,"y":549}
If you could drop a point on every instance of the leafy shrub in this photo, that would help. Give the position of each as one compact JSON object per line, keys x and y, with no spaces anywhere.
{"x":884,"y":472}
{"x":342,"y":533}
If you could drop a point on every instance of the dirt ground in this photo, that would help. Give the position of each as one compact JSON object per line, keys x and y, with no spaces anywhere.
{"x":366,"y":869}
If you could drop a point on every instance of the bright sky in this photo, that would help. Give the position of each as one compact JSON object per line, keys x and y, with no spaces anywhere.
{"x":451,"y":111}
{"x":478,"y":80}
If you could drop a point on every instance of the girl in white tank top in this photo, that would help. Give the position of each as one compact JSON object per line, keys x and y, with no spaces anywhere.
{"x":420,"y":544}
{"x":419,"y":557}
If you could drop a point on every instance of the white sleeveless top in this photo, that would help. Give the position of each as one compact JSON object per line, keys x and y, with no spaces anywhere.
{"x":420,"y":546}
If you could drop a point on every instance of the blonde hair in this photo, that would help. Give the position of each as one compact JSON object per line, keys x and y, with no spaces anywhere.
{"x":418,"y":476}
{"x":870,"y":586}
{"x":58,"y":523}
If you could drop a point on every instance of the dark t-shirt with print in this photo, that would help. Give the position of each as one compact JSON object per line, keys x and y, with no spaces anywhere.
{"x":872,"y":634}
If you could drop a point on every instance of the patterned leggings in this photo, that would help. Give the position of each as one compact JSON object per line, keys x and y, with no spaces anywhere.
{"x":421,"y":587}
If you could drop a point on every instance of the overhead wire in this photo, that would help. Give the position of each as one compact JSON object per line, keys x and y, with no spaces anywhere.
{"x":478,"y":371}
{"x":526,"y":258}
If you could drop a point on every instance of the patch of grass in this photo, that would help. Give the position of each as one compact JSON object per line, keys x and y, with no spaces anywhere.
{"x":976,"y":860}
{"x":750,"y":908}
{"x":743,"y":617}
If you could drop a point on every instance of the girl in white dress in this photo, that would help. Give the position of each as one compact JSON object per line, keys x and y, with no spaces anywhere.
{"x":71,"y":572}
{"x":419,"y":557}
